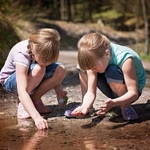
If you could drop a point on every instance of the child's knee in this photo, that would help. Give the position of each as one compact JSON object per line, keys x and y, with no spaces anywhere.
{"x":114,"y":74}
{"x":115,"y":79}
{"x":38,"y":71}
{"x":118,"y":89}
{"x":111,"y":70}
{"x":61,"y":69}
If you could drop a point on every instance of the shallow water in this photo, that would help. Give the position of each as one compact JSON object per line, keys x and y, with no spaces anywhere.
{"x":68,"y":134}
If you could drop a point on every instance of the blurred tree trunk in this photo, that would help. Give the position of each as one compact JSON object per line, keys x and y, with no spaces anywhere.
{"x":55,"y":9}
{"x":136,"y":14}
{"x":72,"y":9}
{"x":83,"y":11}
{"x":90,"y":7}
{"x":146,"y":27}
{"x":62,"y":8}
{"x":69,"y":15}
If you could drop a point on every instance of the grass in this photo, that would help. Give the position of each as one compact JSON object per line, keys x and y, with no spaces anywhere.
{"x":144,"y":57}
{"x":107,"y":15}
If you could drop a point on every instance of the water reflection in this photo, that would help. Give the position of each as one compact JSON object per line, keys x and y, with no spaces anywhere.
{"x":31,"y":143}
{"x":69,"y":135}
{"x":89,"y":144}
{"x":93,"y":144}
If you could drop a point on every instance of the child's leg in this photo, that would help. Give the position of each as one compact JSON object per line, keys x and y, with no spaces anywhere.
{"x":36,"y":74}
{"x":11,"y":85}
{"x":83,"y":82}
{"x":104,"y":86}
{"x":59,"y":75}
{"x":115,"y":79}
{"x":55,"y":73}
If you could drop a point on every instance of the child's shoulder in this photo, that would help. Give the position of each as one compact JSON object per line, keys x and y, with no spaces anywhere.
{"x":20,"y":45}
{"x":24,"y":42}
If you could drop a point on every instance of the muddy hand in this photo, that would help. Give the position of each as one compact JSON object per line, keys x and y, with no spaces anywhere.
{"x":106,"y":107}
{"x":41,"y":123}
{"x":80,"y":112}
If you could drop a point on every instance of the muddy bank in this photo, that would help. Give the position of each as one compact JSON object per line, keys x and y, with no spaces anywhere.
{"x":92,"y":133}
{"x":109,"y":132}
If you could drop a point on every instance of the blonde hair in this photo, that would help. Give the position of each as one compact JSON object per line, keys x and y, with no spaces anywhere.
{"x":91,"y":47}
{"x":46,"y":42}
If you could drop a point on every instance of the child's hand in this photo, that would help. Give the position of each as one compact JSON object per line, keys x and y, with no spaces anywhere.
{"x":106,"y":107}
{"x":41,"y":123}
{"x":80,"y":112}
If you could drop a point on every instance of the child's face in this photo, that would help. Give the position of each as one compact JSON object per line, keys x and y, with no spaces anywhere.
{"x":100,"y":66}
{"x":38,"y":59}
{"x":102,"y":63}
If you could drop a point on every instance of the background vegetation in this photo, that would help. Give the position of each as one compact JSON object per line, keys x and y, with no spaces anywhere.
{"x":18,"y":18}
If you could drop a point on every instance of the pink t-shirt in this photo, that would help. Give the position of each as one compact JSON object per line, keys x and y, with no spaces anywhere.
{"x":17,"y":55}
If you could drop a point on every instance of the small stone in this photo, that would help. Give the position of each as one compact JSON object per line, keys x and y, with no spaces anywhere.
{"x":63,"y":100}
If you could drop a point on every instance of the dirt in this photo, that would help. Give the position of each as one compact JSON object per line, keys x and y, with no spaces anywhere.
{"x":109,"y":132}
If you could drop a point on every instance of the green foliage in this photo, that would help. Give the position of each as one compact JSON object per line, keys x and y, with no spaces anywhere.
{"x":5,"y":6}
{"x":145,"y":57}
{"x":108,"y":15}
{"x":121,"y":15}
{"x":7,"y":39}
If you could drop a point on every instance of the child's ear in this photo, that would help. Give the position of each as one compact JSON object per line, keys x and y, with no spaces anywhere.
{"x":107,"y":53}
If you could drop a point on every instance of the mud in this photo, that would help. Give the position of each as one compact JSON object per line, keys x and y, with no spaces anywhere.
{"x":109,"y":132}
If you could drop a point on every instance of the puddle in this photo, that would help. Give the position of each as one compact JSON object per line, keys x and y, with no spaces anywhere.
{"x":72,"y":135}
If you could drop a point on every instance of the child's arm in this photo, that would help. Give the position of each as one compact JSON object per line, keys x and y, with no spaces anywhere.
{"x":131,"y":83}
{"x":89,"y":96}
{"x":131,"y":93}
{"x":22,"y":83}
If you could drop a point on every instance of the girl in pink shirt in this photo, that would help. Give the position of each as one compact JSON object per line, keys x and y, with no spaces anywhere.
{"x":31,"y":70}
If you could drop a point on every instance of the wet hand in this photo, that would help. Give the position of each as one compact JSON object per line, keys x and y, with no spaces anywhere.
{"x":105,"y":107}
{"x":41,"y":123}
{"x":80,"y":112}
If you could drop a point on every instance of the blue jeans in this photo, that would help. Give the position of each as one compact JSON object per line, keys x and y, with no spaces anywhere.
{"x":11,"y":85}
{"x":113,"y":74}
